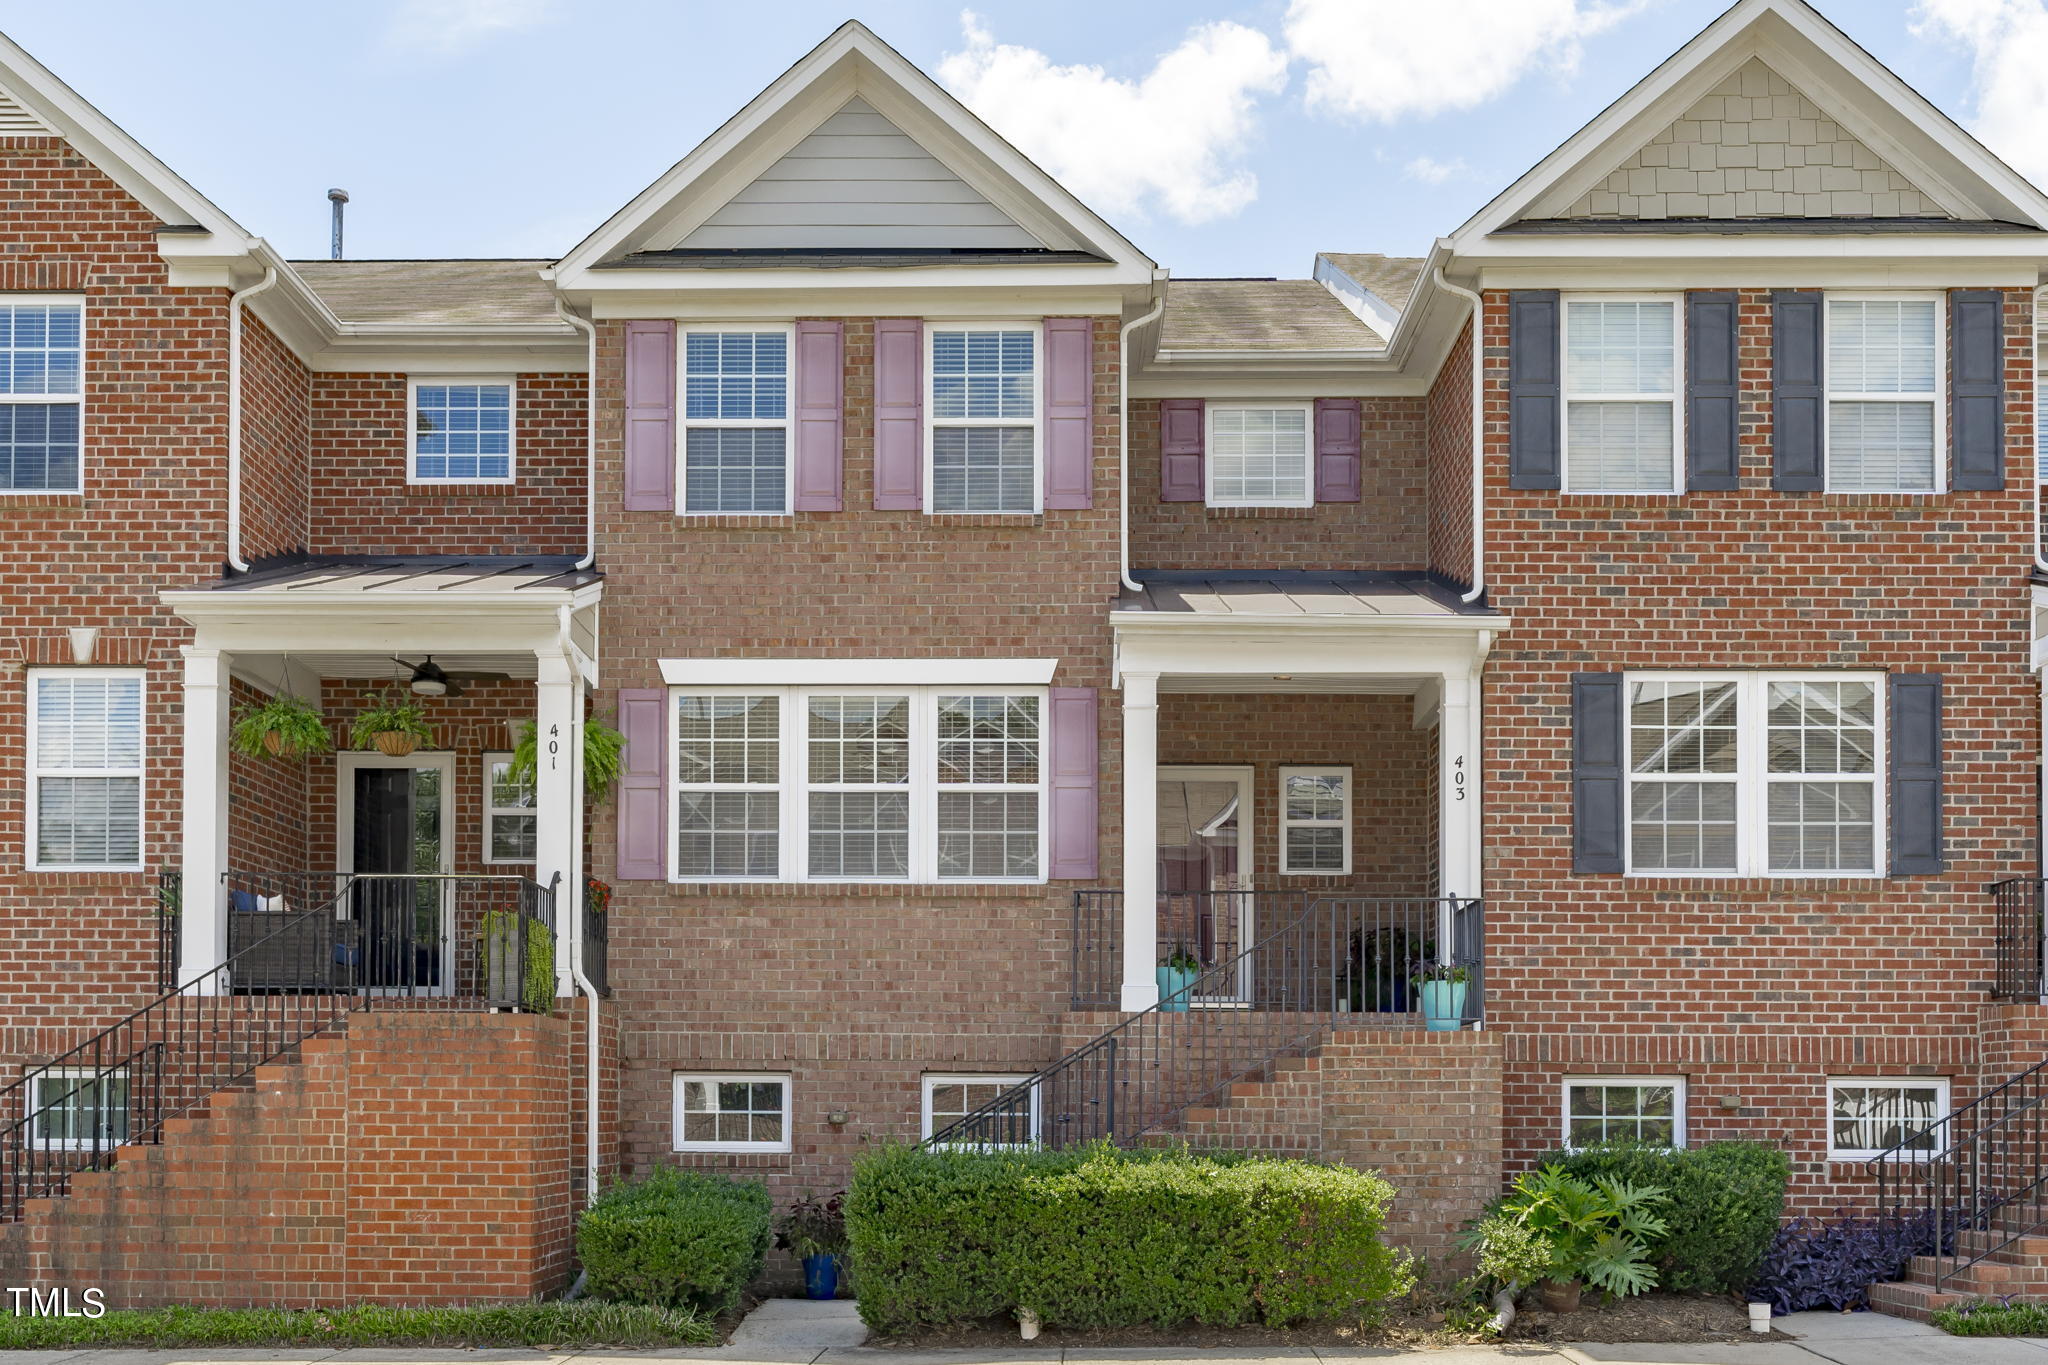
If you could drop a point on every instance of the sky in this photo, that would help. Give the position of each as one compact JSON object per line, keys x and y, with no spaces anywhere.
{"x":1224,"y":139}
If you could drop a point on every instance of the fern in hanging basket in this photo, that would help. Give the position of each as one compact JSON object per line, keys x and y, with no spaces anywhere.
{"x":604,"y":751}
{"x":394,"y":726}
{"x":284,"y":726}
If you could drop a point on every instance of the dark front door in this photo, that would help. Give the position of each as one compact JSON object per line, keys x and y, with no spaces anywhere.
{"x":397,"y":909}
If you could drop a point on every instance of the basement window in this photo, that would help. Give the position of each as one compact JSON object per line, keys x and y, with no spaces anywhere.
{"x":723,"y":1112}
{"x":1646,"y":1109}
{"x":77,"y":1109}
{"x":1867,"y":1117}
{"x":42,"y":393}
{"x":948,"y":1099}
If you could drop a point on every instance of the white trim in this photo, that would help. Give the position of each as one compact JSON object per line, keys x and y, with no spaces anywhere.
{"x":1036,"y":422}
{"x":965,"y":673}
{"x":1674,"y":397}
{"x":347,"y":763}
{"x":684,"y":422}
{"x":1344,"y":823}
{"x":1937,"y":400}
{"x":1944,"y":1107}
{"x":33,"y":1104}
{"x":33,"y":774}
{"x":490,"y":814}
{"x":680,"y":1078}
{"x":1679,"y":1099}
{"x":56,"y":399}
{"x":472,"y":381}
{"x":1308,"y":454}
{"x":1004,"y":1082}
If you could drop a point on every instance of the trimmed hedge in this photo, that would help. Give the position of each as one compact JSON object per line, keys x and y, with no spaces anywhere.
{"x":556,"y":1326}
{"x":1725,"y":1202}
{"x":675,"y":1239}
{"x":1099,"y":1237}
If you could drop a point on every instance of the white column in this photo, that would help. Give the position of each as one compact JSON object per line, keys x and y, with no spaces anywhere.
{"x":1141,"y":839}
{"x":203,"y":837}
{"x":558,"y":801}
{"x":1457,"y":832}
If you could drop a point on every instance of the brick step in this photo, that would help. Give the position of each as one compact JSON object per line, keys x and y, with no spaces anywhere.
{"x":2033,"y":1247}
{"x":2007,"y":1276}
{"x":1908,"y":1299}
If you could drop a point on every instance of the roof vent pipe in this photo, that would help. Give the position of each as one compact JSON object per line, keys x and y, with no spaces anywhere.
{"x":336,"y":198}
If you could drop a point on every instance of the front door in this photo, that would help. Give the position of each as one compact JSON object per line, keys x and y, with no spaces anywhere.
{"x":1205,"y":871}
{"x":394,"y":817}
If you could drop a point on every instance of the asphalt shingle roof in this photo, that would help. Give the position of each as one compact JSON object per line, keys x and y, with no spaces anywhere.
{"x":445,"y":293}
{"x":1260,"y":315}
{"x":1391,"y":277}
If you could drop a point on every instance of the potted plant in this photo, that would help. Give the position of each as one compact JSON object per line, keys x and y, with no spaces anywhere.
{"x":284,"y":726}
{"x":814,"y":1231}
{"x":604,"y":751}
{"x":1177,"y":978}
{"x":1558,"y":1233}
{"x":513,"y":978}
{"x":1443,"y":995}
{"x":394,"y":726}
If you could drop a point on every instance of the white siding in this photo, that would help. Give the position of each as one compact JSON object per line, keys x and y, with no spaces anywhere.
{"x":857,"y":181}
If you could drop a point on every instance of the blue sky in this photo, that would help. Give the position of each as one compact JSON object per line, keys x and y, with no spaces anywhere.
{"x":1225,"y":139}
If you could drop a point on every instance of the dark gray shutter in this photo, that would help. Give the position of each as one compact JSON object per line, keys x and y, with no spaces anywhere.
{"x":1915,"y":760}
{"x":1711,"y":378}
{"x":1533,"y":404}
{"x":1597,"y":777}
{"x":1976,"y":340}
{"x":1797,"y":393}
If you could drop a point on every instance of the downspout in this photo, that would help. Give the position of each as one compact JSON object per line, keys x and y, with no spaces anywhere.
{"x":589,"y":439}
{"x":1478,"y":435}
{"x":235,"y":300}
{"x":2040,"y":565}
{"x":592,"y":1060}
{"x":1123,"y":434}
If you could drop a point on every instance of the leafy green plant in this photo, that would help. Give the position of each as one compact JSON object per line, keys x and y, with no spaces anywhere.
{"x":283,"y":726}
{"x":813,"y":1226}
{"x":604,"y":757}
{"x":1725,"y":1201}
{"x":1993,"y":1318}
{"x":393,"y":713}
{"x":675,"y":1239}
{"x":1182,"y":959}
{"x":586,"y":1322}
{"x":499,"y":956}
{"x":1437,"y":971}
{"x":1586,"y":1230}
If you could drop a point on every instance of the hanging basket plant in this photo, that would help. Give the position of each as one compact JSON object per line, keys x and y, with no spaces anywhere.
{"x":603,"y":752}
{"x":285,"y":726}
{"x":393,"y":725}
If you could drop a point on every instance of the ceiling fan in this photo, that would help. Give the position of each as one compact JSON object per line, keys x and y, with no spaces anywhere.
{"x":429,"y":679}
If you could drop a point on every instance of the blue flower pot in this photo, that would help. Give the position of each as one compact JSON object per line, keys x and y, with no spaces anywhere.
{"x":1175,"y":983}
{"x":1443,"y":1005}
{"x":821,"y":1277}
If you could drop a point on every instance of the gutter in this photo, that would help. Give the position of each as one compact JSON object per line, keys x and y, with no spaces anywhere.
{"x":1478,"y":409}
{"x":589,"y":331}
{"x":1123,"y":429}
{"x":235,"y":302}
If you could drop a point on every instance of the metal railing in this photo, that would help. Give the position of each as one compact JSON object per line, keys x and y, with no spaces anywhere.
{"x":1235,"y":1018}
{"x":2017,"y":903}
{"x":170,"y":902}
{"x":597,"y":935}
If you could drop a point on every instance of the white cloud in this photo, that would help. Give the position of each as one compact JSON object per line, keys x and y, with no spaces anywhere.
{"x":1430,"y":171}
{"x":449,"y":25}
{"x":2008,"y":44}
{"x":1174,"y":139}
{"x":1381,"y":62}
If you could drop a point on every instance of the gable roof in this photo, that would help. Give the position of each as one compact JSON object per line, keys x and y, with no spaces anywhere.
{"x":1260,"y":315}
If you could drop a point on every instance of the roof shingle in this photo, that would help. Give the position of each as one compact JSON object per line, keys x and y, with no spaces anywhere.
{"x":434,"y":293}
{"x":1260,"y":315}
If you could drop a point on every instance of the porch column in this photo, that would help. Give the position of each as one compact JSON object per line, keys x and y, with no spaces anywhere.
{"x":1457,"y":750}
{"x":1141,"y":837}
{"x":203,"y":837}
{"x":558,"y":802}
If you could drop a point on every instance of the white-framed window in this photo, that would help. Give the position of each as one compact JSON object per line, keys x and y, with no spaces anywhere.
{"x":509,"y":816}
{"x":1870,"y":1115}
{"x":1648,"y":1109}
{"x":72,"y":1109}
{"x":1756,"y":773}
{"x":461,"y":430}
{"x":85,"y":759}
{"x":835,"y":784}
{"x":42,"y":394}
{"x":731,"y":1112}
{"x":981,"y":405}
{"x":1623,"y":427}
{"x":736,"y":434}
{"x":1260,"y":455}
{"x":1315,"y":822}
{"x":1886,"y":418}
{"x":947,"y":1099}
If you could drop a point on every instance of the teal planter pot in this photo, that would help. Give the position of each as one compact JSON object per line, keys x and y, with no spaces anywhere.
{"x":1175,"y":984}
{"x":1443,"y":1005}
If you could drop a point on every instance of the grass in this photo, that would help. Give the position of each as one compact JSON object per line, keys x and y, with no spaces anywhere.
{"x":1993,"y":1318}
{"x":582,"y":1323}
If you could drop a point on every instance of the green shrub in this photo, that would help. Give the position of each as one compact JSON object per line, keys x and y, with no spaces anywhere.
{"x":1556,"y":1226}
{"x":675,"y":1239}
{"x":1993,"y":1318}
{"x":1724,"y":1202}
{"x":1099,"y":1237}
{"x":556,"y":1326}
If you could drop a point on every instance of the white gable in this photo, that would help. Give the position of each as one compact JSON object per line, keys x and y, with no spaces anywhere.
{"x":17,"y":121}
{"x":858,"y":181}
{"x":1755,"y":147}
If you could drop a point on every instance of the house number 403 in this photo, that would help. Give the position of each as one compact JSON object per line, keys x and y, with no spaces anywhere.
{"x":1458,"y":777}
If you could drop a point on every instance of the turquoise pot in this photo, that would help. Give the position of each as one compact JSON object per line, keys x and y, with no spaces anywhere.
{"x":1174,"y":985}
{"x":1443,"y":1005}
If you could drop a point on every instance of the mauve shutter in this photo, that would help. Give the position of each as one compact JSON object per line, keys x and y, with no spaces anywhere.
{"x":1976,"y":339}
{"x":650,"y":417}
{"x":1533,"y":403}
{"x":899,"y":414}
{"x":1915,"y":758}
{"x":1597,"y":777}
{"x":1180,"y":450}
{"x":1797,"y":373}
{"x":1711,"y":378}
{"x":1337,"y":450}
{"x":1069,"y":412}
{"x":1073,"y":837}
{"x":643,"y":785}
{"x":820,"y":404}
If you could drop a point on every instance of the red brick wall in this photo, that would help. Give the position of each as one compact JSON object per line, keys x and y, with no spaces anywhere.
{"x":268,"y":819}
{"x":1447,"y":422}
{"x":276,"y":433}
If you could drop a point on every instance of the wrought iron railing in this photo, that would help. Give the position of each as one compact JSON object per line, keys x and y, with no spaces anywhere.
{"x":597,"y":935}
{"x":1335,"y":960}
{"x":1202,"y":927}
{"x":170,"y":901}
{"x":2017,"y":902}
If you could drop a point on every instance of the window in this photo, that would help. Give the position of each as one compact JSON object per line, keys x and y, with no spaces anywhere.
{"x":735,"y":421}
{"x":71,"y":1109}
{"x":42,"y":395}
{"x":461,"y":431}
{"x":1259,"y":457}
{"x":1884,"y":377}
{"x":914,"y":784}
{"x":1867,"y":1118}
{"x":508,"y":813}
{"x":85,"y":768}
{"x":984,"y":411}
{"x":731,"y":1113}
{"x":1755,"y":773}
{"x":1315,"y":821}
{"x":1625,"y":1109}
{"x":1622,"y":415}
{"x":947,"y":1099}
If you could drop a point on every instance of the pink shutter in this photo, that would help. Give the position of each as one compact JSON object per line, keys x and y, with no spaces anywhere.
{"x":1073,"y":836}
{"x":643,"y":785}
{"x":1069,"y":412}
{"x":899,"y":414}
{"x":1180,"y":450}
{"x":650,"y":417}
{"x":820,"y":402}
{"x":1337,"y":450}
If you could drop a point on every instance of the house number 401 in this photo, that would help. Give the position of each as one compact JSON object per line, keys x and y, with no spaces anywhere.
{"x":555,"y":746}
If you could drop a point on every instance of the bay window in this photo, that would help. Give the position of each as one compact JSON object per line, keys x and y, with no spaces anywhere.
{"x":984,"y":418}
{"x":1884,"y":394}
{"x":1622,"y":417}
